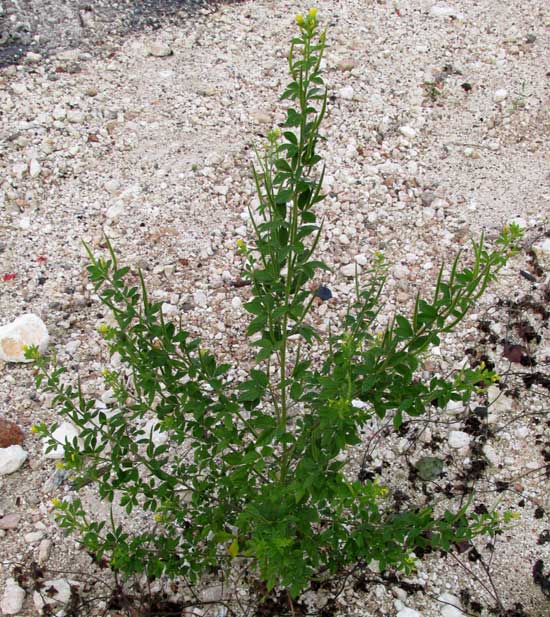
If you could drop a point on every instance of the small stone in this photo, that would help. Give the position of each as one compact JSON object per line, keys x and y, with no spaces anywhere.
{"x":500,"y":95}
{"x":54,"y":594}
{"x":236,"y":303}
{"x":13,"y":598}
{"x":33,"y":58}
{"x":439,"y":204}
{"x":112,"y":186}
{"x":33,"y":536}
{"x":346,"y":64}
{"x":10,"y":434}
{"x":522,"y":432}
{"x":200,"y":299}
{"x":44,"y":551}
{"x":407,"y":131}
{"x":445,"y":11}
{"x":10,"y":521}
{"x":69,"y":55}
{"x":427,"y":197}
{"x":159,"y":50}
{"x":90,"y":91}
{"x":361,"y":259}
{"x":350,"y":269}
{"x":59,"y":114}
{"x":64,"y":433}
{"x":347,"y":93}
{"x":34,"y":168}
{"x":343,"y":239}
{"x":459,"y":439}
{"x":169,"y":309}
{"x":26,"y":330}
{"x":491,"y":455}
{"x":11,"y":459}
{"x":75,"y":116}
{"x":261,"y":117}
{"x":450,"y":606}
{"x":542,"y":252}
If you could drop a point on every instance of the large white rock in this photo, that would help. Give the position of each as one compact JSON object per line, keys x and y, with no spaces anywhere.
{"x":158,"y":437}
{"x":11,"y":459}
{"x":450,"y":606}
{"x":64,"y":433}
{"x":55,"y":593}
{"x":13,"y":598}
{"x":24,"y":331}
{"x":408,"y":612}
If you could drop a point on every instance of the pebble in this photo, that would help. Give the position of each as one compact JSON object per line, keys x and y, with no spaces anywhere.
{"x":542,"y":251}
{"x":44,"y":551}
{"x":236,"y":303}
{"x":261,"y":117}
{"x":33,"y":58}
{"x":500,"y":95}
{"x":75,"y":116}
{"x":11,"y":459}
{"x":347,"y":93}
{"x":159,"y":50}
{"x":33,"y":536}
{"x":350,"y":269}
{"x":346,"y":64}
{"x":407,"y":131}
{"x":491,"y":454}
{"x":12,"y":599}
{"x":443,"y":10}
{"x":10,"y":521}
{"x":200,"y":299}
{"x":26,"y":330}
{"x":459,"y":439}
{"x":34,"y":168}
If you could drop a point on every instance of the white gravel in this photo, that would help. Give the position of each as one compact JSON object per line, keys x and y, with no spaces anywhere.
{"x":437,"y":130}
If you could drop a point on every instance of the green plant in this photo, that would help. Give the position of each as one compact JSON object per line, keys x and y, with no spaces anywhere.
{"x":253,"y":470}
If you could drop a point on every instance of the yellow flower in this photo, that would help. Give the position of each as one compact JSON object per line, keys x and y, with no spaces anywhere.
{"x":59,"y":465}
{"x":55,"y":502}
{"x":300,"y":19}
{"x":241,"y":244}
{"x":103,"y":329}
{"x":312,"y":13}
{"x":34,"y":428}
{"x":158,"y":517}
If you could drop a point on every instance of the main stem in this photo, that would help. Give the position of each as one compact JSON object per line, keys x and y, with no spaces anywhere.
{"x":303,"y":83}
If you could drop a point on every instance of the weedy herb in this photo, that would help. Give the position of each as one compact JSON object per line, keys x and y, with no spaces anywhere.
{"x":253,"y":471}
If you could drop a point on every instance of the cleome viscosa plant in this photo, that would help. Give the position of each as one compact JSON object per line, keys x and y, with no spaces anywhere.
{"x":254,"y":471}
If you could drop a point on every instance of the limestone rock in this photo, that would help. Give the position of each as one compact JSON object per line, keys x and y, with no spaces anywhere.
{"x":11,"y":459}
{"x":55,"y":593}
{"x":26,"y":330}
{"x":64,"y":433}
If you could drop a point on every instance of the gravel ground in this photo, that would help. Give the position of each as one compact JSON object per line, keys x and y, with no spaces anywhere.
{"x":437,"y":130}
{"x":47,"y":26}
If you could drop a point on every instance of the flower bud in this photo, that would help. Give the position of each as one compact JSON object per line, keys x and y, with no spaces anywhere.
{"x":300,"y":19}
